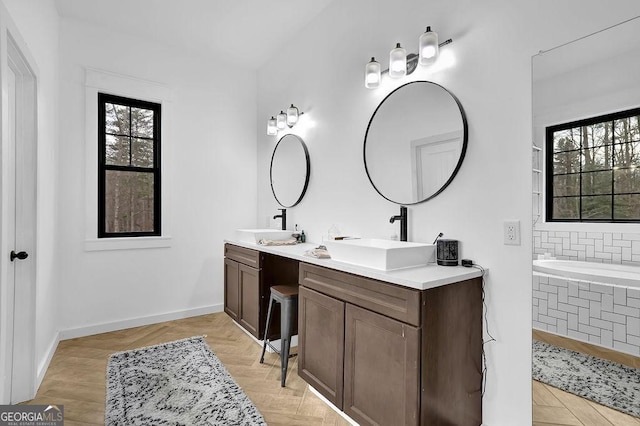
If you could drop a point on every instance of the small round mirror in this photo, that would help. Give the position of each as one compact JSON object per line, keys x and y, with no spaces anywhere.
{"x":289,"y":170}
{"x":415,"y":142}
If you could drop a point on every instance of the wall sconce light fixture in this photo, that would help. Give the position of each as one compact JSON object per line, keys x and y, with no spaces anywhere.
{"x":272,"y":126}
{"x":397,"y":62}
{"x":428,"y":47}
{"x":401,"y":64}
{"x":372,"y":74}
{"x":283,"y":119}
{"x":292,"y":116}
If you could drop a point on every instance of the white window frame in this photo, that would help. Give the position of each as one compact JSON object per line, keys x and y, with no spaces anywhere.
{"x":131,"y":87}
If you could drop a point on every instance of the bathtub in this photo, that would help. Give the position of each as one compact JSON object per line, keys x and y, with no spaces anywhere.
{"x":598,"y":303}
{"x":593,"y":272}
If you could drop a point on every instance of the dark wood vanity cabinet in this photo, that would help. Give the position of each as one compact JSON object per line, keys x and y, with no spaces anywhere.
{"x":248,"y":277}
{"x":381,"y":369}
{"x":232,"y":288}
{"x":243,"y":287}
{"x":321,"y":334}
{"x":392,"y":355}
{"x":383,"y":353}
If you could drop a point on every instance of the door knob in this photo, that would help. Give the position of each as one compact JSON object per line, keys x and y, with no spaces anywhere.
{"x":20,"y":255}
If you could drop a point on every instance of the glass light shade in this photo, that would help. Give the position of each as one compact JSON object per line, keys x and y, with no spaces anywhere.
{"x":428,"y":47}
{"x":281,"y":120}
{"x":372,"y":74}
{"x":272,"y":127}
{"x":292,"y":115}
{"x":398,"y":62}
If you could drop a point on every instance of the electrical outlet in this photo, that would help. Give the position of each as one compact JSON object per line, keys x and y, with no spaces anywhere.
{"x":512,"y":232}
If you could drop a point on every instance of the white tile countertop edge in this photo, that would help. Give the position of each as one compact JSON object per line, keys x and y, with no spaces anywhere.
{"x":420,"y":278}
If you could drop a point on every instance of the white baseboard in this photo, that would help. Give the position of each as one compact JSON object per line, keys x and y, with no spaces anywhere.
{"x":89,"y":330}
{"x":333,"y":407}
{"x":44,"y":364}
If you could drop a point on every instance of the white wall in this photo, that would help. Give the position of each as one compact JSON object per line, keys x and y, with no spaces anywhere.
{"x":37,"y":23}
{"x":209,"y":172}
{"x":321,"y":71}
{"x":563,"y":93}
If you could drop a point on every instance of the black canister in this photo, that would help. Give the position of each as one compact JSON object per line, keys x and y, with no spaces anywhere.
{"x":447,"y":252}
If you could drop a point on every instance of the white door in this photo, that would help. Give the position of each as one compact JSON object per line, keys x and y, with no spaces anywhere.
{"x":9,"y":239}
{"x":17,"y":321}
{"x":433,"y":159}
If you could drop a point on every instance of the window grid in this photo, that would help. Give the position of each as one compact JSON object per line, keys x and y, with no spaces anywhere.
{"x":613,"y":147}
{"x":104,"y":167}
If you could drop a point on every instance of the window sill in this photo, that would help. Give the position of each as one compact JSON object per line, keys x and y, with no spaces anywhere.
{"x":587,"y":227}
{"x":127,"y":243}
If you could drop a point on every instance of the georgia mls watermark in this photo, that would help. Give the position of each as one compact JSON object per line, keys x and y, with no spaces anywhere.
{"x":31,"y":415}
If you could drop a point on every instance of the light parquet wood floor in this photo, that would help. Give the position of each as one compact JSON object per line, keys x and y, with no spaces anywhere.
{"x":76,"y":375}
{"x":552,"y":406}
{"x":76,"y":378}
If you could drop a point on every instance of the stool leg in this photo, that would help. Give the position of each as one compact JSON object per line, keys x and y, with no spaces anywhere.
{"x":285,"y":337}
{"x":266,"y":331}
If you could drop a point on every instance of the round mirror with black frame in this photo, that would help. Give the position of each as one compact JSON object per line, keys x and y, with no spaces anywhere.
{"x":415,"y":142}
{"x":290,"y":169}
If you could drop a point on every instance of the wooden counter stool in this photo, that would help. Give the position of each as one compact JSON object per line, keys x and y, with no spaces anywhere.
{"x":287,"y":297}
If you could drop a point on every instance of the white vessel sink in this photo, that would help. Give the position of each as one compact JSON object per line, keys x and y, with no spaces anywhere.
{"x":381,"y":254}
{"x":255,"y":235}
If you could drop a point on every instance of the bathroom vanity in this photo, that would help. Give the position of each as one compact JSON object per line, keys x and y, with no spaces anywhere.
{"x":248,"y":276}
{"x":386,"y":347}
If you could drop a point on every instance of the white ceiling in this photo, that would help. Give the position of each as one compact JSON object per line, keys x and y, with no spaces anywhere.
{"x":246,"y":32}
{"x":618,"y":41}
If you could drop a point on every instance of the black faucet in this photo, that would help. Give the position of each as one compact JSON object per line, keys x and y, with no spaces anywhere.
{"x":403,"y":222}
{"x":282,"y":215}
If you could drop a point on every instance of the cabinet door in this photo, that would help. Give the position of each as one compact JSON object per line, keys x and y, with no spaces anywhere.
{"x":321,"y":343}
{"x":381,"y":369}
{"x":249,"y":282}
{"x":231,"y":289}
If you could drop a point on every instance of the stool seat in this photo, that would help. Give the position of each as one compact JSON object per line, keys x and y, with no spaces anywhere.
{"x":284,"y":291}
{"x":287,"y":297}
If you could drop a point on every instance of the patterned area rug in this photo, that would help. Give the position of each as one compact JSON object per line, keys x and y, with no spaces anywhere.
{"x":605,"y":382}
{"x":175,"y":383}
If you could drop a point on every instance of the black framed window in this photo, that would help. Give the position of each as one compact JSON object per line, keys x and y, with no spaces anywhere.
{"x":593,"y":169}
{"x":128,"y":167}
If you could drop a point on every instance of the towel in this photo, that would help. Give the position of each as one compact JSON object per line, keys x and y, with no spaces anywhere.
{"x":265,"y":242}
{"x":318,"y":253}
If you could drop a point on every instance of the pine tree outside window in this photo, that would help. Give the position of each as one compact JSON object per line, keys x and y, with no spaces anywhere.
{"x":593,"y":169}
{"x":128,"y":167}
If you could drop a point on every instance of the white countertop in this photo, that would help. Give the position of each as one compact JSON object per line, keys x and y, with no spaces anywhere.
{"x":421,"y":278}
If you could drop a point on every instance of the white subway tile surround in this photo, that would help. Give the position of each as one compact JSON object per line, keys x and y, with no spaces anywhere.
{"x":605,"y":315}
{"x":602,"y":247}
{"x":592,"y":312}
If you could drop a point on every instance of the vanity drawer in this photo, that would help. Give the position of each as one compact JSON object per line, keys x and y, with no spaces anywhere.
{"x":384,"y":298}
{"x":243,"y":255}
